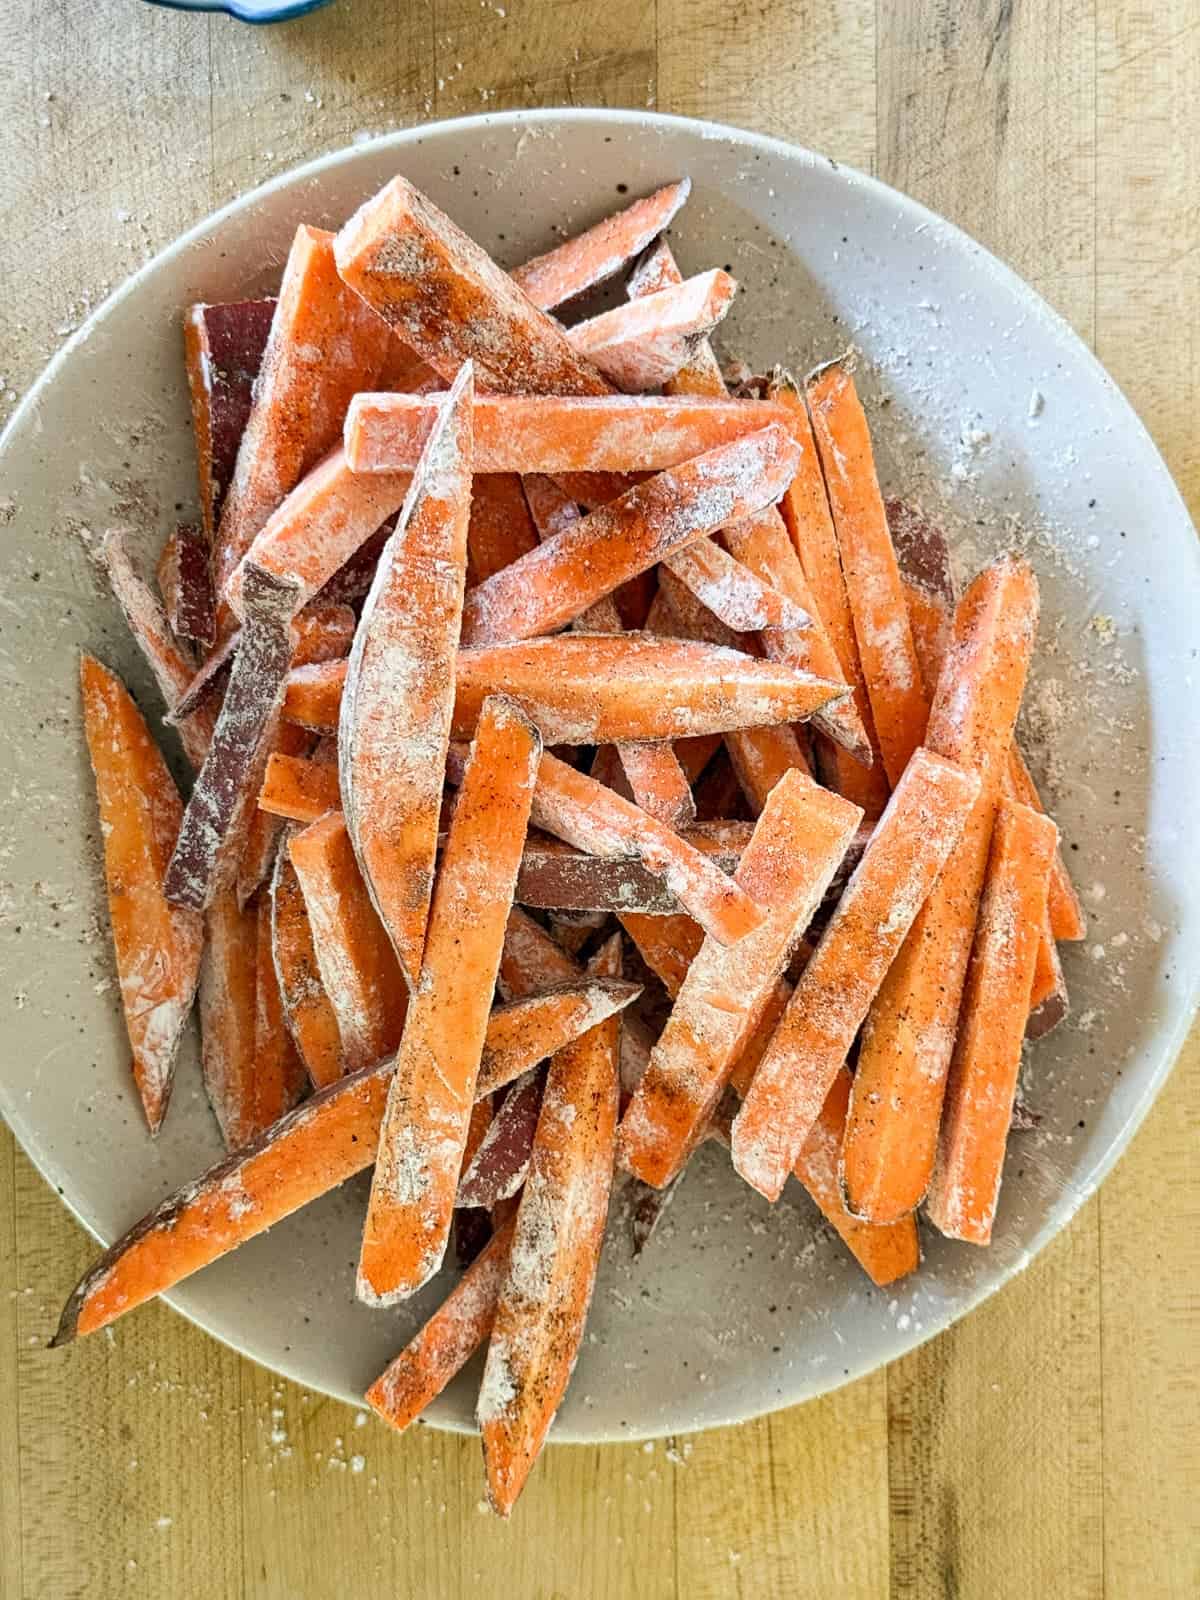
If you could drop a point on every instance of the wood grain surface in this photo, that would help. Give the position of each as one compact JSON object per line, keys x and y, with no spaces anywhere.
{"x":1048,"y":1446}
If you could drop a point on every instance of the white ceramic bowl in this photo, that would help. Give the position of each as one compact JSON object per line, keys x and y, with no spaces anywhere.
{"x":986,"y":408}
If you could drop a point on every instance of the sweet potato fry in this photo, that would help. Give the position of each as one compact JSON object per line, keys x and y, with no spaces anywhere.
{"x":556,"y":582}
{"x":298,"y":788}
{"x":891,"y":672}
{"x":399,"y":694}
{"x":449,"y":301}
{"x":425,"y":1128}
{"x":263,"y":827}
{"x":576,"y":808}
{"x":529,"y":1030}
{"x":320,"y":525}
{"x":644,"y":343}
{"x":358,"y":967}
{"x":598,"y":254}
{"x":447,"y":1341}
{"x":1048,"y":1001}
{"x":324,"y":346}
{"x":185,"y":583}
{"x":1067,"y":921}
{"x":667,"y":944}
{"x":599,"y":688}
{"x":982,"y":1082}
{"x":223,"y":348}
{"x":214,"y":820}
{"x":806,"y":516}
{"x":312,"y":697}
{"x":733,"y":593}
{"x":320,"y":1144}
{"x":556,"y":877}
{"x":173,"y":667}
{"x":760,"y":543}
{"x":501,"y":529}
{"x":558,"y":435}
{"x":907,"y":850}
{"x":543,"y":1301}
{"x":157,"y":945}
{"x":891,"y":1132}
{"x":308,"y":1152}
{"x":279,"y":1074}
{"x":307,"y":1009}
{"x":801,"y":836}
{"x":531,"y":958}
{"x":229,"y":1016}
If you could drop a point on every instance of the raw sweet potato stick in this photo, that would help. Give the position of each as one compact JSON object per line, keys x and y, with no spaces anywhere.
{"x":576,"y":808}
{"x":806,"y":515}
{"x":298,"y":788}
{"x":263,"y":828}
{"x":157,"y":945}
{"x":501,"y":529}
{"x":760,"y":542}
{"x":558,"y":581}
{"x":449,"y":301}
{"x":907,"y":850}
{"x":400,"y":689}
{"x":583,"y":688}
{"x":800,"y":837}
{"x":598,"y":254}
{"x":643,"y":344}
{"x":1067,"y":921}
{"x":542,"y":1020}
{"x":554,"y":434}
{"x":1049,"y":1003}
{"x":557,"y":877}
{"x":172,"y":667}
{"x":657,"y":781}
{"x":891,"y":1132}
{"x":279,"y":1074}
{"x":308,"y":1152}
{"x":324,"y":346}
{"x":891,"y":672}
{"x":500,"y":1166}
{"x":307,"y":1009}
{"x":358,"y":966}
{"x":222,"y":800}
{"x":325,"y":519}
{"x":228,"y":1004}
{"x":429,"y":1103}
{"x":543,"y":1301}
{"x":982,"y":1081}
{"x":185,"y":583}
{"x":444,"y":1344}
{"x":223,"y":349}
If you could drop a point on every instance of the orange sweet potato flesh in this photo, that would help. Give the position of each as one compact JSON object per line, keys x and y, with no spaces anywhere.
{"x":555,"y":583}
{"x":223,"y":350}
{"x":555,"y":434}
{"x":799,"y":840}
{"x":527,"y":1031}
{"x":891,"y":1133}
{"x":907,"y":851}
{"x":279,"y":1076}
{"x":229,"y":1016}
{"x":308,"y":1152}
{"x":643,"y":344}
{"x":429,"y":1104}
{"x":324,"y":346}
{"x":983,"y":1075}
{"x":501,"y":529}
{"x":307,"y":1010}
{"x":444,"y":1344}
{"x":400,"y":685}
{"x":891,"y":671}
{"x":591,"y":258}
{"x":263,"y":828}
{"x":543,"y":1301}
{"x":449,"y":301}
{"x":299,"y":789}
{"x":358,"y":966}
{"x":157,"y":945}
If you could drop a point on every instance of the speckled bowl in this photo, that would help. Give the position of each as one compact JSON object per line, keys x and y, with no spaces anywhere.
{"x":988,"y":411}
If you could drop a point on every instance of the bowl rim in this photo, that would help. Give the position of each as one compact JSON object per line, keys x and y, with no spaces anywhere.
{"x":1072,"y":1195}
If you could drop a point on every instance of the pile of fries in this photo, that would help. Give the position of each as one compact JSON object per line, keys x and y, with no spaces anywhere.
{"x":529,"y":708}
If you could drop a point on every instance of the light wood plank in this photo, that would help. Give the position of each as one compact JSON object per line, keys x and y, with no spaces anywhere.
{"x":129,"y":1445}
{"x":1148,"y":307}
{"x":10,"y":1388}
{"x":801,"y":70}
{"x":505,"y":53}
{"x":987,"y":114}
{"x":768,"y":1508}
